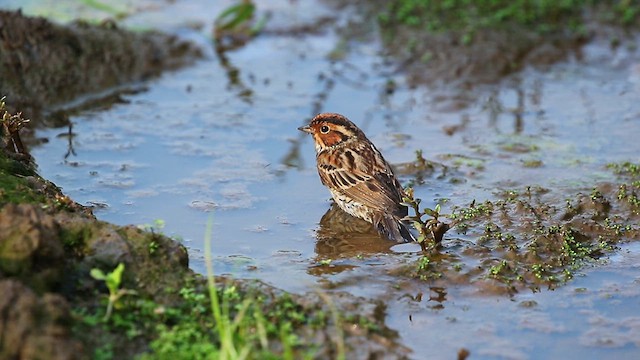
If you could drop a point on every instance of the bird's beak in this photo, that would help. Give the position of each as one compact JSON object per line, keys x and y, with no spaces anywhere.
{"x":306,"y":129}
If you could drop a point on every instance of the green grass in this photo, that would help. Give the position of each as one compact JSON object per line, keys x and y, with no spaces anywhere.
{"x":105,"y":7}
{"x":232,"y":330}
{"x":240,"y":324}
{"x":14,"y":188}
{"x":470,"y":15}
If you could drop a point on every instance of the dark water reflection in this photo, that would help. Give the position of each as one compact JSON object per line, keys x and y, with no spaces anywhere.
{"x":341,"y":235}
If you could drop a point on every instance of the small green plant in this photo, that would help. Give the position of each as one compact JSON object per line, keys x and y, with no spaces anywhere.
{"x":155,"y":228}
{"x":325,"y":262}
{"x":113,"y":281}
{"x":243,"y":326}
{"x":235,"y":15}
{"x":431,"y":229}
{"x":236,"y":24}
{"x":423,"y":263}
{"x":153,"y":247}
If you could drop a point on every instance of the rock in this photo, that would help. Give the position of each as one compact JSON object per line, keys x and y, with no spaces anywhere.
{"x":33,"y":327}
{"x":109,"y":248}
{"x":30,"y":247}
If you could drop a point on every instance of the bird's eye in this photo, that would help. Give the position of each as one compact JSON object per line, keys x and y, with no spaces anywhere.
{"x":324,"y":129}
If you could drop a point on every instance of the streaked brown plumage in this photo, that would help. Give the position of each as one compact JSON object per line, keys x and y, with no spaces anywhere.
{"x":358,"y":177}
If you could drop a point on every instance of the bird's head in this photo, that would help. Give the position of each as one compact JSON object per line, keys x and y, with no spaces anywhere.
{"x":331,"y":130}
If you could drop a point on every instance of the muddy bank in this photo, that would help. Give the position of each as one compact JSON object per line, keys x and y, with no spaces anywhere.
{"x":461,"y":45}
{"x":45,"y":260}
{"x":48,"y":245}
{"x":44,"y":64}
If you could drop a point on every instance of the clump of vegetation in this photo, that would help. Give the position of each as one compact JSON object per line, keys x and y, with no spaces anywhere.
{"x":468,"y":15}
{"x":430,"y":230}
{"x":625,"y":169}
{"x":425,"y":221}
{"x":628,"y":192}
{"x":239,"y":326}
{"x":520,"y":241}
{"x":223,"y":320}
{"x":15,"y":161}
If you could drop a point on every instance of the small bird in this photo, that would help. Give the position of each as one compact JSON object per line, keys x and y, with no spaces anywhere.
{"x":361,"y":182}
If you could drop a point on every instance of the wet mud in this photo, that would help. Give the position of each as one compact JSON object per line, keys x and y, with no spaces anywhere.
{"x":492,"y":55}
{"x":466,"y":54}
{"x":44,"y":64}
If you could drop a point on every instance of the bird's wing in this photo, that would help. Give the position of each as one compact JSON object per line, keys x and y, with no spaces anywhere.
{"x":379,"y":190}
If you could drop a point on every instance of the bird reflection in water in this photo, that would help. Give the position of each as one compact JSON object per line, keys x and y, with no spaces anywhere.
{"x":342,"y":236}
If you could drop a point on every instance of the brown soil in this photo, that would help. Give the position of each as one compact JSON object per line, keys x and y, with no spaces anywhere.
{"x":44,"y":64}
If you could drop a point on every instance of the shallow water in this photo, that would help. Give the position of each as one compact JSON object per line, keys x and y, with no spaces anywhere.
{"x":218,"y":140}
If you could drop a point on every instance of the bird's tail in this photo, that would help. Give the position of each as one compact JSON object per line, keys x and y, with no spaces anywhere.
{"x":393,"y":228}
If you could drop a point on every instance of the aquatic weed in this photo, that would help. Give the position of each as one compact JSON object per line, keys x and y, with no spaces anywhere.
{"x":520,"y":241}
{"x":625,"y":168}
{"x":431,"y":230}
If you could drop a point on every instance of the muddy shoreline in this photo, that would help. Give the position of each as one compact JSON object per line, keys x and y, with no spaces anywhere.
{"x":43,"y":64}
